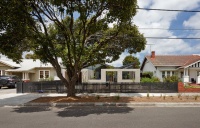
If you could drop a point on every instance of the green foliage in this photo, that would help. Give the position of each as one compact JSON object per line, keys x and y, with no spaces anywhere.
{"x":14,"y":28}
{"x":97,"y":97}
{"x":131,"y":59}
{"x":171,"y":79}
{"x":47,"y":79}
{"x":31,"y":56}
{"x":148,"y":95}
{"x":117,"y":97}
{"x":151,"y":80}
{"x":80,"y":41}
{"x":147,"y":74}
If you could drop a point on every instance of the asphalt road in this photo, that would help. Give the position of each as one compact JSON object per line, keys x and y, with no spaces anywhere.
{"x":99,"y":117}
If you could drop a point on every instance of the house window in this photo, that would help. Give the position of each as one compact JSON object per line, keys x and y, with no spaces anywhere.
{"x":163,"y":74}
{"x":129,"y":75}
{"x":111,"y":76}
{"x":44,"y":74}
{"x":168,"y":73}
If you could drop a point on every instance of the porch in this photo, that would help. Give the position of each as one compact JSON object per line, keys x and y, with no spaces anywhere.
{"x":191,"y":74}
{"x":24,"y":76}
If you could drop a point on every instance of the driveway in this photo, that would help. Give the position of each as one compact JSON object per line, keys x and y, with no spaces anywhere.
{"x":9,"y":97}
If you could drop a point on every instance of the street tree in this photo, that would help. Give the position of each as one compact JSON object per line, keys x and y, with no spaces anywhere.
{"x":31,"y":56}
{"x":80,"y":32}
{"x":131,"y":60}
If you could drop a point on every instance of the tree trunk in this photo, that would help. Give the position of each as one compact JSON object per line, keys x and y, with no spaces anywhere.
{"x":71,"y":92}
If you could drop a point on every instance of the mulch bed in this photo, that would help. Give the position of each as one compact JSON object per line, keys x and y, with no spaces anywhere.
{"x":64,"y":99}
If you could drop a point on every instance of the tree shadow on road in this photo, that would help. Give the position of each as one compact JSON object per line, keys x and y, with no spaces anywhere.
{"x":31,"y":109}
{"x":81,"y":111}
{"x":75,"y":111}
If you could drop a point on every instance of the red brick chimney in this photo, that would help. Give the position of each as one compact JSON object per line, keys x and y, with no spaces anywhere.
{"x":153,"y":54}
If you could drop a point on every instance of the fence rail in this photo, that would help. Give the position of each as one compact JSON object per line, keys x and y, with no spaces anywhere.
{"x":58,"y":87}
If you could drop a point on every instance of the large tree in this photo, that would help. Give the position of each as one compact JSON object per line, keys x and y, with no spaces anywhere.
{"x":76,"y":30}
{"x":131,"y":60}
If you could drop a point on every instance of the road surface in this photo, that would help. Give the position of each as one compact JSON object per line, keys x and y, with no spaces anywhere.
{"x":99,"y":117}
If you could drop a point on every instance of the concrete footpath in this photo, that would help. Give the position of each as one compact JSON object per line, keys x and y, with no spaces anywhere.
{"x":23,"y":100}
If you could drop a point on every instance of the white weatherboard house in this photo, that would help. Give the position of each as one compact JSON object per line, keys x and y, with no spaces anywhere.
{"x":186,"y":67}
{"x":29,"y":69}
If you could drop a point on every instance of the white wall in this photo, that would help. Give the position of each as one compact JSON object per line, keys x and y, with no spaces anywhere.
{"x":148,"y":67}
{"x":86,"y":74}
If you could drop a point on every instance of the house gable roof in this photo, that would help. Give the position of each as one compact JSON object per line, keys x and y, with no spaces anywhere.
{"x":10,"y":63}
{"x":29,"y":64}
{"x":180,"y":61}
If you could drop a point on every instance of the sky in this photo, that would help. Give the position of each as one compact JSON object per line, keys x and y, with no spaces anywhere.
{"x":167,"y":20}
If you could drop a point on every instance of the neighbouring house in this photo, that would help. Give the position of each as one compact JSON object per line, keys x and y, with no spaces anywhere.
{"x":29,"y":70}
{"x":186,"y":67}
{"x":35,"y":70}
{"x":101,"y":74}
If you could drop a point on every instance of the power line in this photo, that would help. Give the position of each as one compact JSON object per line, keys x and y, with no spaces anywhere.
{"x":174,"y":38}
{"x":171,"y":10}
{"x":177,"y":29}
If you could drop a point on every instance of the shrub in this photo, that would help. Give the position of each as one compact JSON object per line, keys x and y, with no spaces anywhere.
{"x":171,"y":79}
{"x":148,"y":95}
{"x":147,"y":74}
{"x":97,"y":97}
{"x":150,"y":80}
{"x":117,"y":97}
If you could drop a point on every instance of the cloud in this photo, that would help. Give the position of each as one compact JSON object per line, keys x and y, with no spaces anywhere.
{"x":163,"y":19}
{"x":192,"y":22}
{"x":118,"y":62}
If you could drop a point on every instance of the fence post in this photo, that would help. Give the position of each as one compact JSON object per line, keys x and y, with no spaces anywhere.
{"x":109,"y":87}
{"x":22,"y":86}
{"x":56,"y":87}
{"x":150,"y":87}
{"x":120,"y":87}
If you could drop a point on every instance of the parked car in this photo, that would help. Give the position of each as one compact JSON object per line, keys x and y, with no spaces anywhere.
{"x":9,"y":81}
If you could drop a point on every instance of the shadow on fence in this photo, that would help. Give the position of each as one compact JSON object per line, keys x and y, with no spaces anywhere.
{"x":58,"y":87}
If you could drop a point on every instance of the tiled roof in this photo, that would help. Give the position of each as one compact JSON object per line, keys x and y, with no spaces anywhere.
{"x":173,"y":60}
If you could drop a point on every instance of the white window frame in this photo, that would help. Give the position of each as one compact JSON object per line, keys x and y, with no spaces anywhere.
{"x":2,"y":72}
{"x":167,"y":73}
{"x":44,"y":76}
